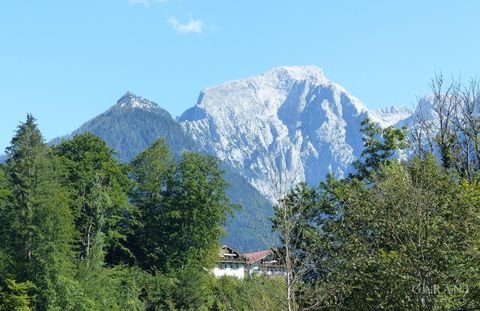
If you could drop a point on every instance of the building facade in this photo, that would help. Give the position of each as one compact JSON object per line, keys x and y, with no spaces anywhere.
{"x":241,"y":265}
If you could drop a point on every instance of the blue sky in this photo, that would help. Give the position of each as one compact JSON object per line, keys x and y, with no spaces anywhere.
{"x":67,"y":61}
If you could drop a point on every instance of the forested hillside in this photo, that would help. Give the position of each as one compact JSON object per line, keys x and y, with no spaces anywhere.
{"x":81,"y":231}
{"x":134,"y":123}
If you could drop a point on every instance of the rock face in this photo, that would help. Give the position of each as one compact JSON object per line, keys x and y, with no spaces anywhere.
{"x":390,"y":116}
{"x":287,"y":125}
{"x":270,"y":131}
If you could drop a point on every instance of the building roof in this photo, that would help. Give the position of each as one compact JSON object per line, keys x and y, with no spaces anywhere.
{"x":256,"y":256}
{"x":227,"y":253}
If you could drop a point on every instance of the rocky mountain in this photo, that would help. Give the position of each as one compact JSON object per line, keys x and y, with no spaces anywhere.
{"x":287,"y":125}
{"x":390,"y":116}
{"x":270,"y":131}
{"x":134,"y":123}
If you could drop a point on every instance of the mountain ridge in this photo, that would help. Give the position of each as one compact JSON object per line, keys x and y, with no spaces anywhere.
{"x":286,"y":125}
{"x":289,"y":121}
{"x":132,"y":124}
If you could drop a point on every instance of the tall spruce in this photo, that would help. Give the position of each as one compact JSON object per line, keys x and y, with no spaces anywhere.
{"x":4,"y":221}
{"x":40,"y":222}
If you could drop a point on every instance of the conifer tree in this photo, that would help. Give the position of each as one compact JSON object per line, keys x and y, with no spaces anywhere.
{"x":40,"y":222}
{"x":4,"y":199}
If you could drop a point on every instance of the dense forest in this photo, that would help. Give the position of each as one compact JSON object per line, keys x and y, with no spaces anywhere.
{"x":80,"y":231}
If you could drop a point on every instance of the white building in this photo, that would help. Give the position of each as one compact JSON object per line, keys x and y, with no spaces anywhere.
{"x":234,"y":263}
{"x":230,"y":263}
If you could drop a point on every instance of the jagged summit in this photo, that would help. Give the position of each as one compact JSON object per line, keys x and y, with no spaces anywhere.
{"x":280,"y":77}
{"x":290,"y":121}
{"x":308,"y":72}
{"x":130,"y":100}
{"x":263,"y":94}
{"x":394,"y":109}
{"x":389,"y":116}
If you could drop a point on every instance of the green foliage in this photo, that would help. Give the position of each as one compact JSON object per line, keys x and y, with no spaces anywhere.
{"x":189,"y":288}
{"x":98,"y":187}
{"x":40,"y":225}
{"x":296,"y":222}
{"x":182,"y":207}
{"x":152,"y":171}
{"x":380,"y":144}
{"x":295,"y":215}
{"x":117,"y":288}
{"x":201,"y":208}
{"x":256,"y":293}
{"x":16,"y":296}
{"x":82,"y":232}
{"x":4,"y":190}
{"x":408,"y":239}
{"x":4,"y":219}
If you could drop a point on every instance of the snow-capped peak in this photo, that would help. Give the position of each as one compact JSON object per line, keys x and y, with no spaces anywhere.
{"x":299,"y":73}
{"x":130,"y":100}
{"x":290,"y":123}
{"x":265,"y":93}
{"x":390,"y":116}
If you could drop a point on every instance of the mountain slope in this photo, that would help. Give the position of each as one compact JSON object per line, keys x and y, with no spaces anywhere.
{"x":133,"y":124}
{"x":289,"y":124}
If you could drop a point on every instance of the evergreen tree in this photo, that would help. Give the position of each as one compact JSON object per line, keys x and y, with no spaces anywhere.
{"x":16,"y":296}
{"x":4,"y":220}
{"x":40,"y":222}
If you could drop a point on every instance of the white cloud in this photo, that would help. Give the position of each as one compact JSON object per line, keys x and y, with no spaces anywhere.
{"x":146,"y":3}
{"x":193,"y":25}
